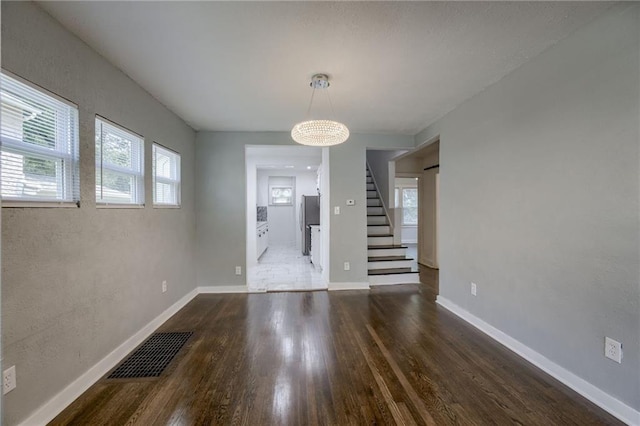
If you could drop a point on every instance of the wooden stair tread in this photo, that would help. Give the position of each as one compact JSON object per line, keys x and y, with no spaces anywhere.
{"x":387,"y":247}
{"x":380,"y":215}
{"x":379,"y":224}
{"x":380,"y":235}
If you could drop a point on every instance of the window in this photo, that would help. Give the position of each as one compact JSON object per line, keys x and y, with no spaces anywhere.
{"x":39,"y":135}
{"x":407,"y":199}
{"x":166,"y":177}
{"x":281,"y":196}
{"x":119,"y":165}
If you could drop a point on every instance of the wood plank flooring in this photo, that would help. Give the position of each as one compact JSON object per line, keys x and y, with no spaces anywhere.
{"x":386,"y":356}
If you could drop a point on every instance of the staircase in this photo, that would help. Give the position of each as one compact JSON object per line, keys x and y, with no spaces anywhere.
{"x":387,"y":262}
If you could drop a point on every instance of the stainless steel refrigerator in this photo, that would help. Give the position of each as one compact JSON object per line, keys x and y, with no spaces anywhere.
{"x":309,"y":215}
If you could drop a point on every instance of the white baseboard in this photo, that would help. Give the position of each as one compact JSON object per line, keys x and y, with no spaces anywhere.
{"x":223,"y":289}
{"x":60,"y":401}
{"x":349,"y":286}
{"x":602,"y":399}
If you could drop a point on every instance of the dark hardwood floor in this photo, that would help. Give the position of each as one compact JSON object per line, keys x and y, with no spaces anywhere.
{"x":385,"y":356}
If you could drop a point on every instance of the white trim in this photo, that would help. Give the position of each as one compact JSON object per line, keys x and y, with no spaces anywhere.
{"x":167,"y":206}
{"x":38,"y":87}
{"x":348,"y":286}
{"x":216,"y":289}
{"x":39,"y":204}
{"x":175,"y":159}
{"x":602,"y":399}
{"x":119,"y":206}
{"x":47,"y":412}
{"x":118,"y":126}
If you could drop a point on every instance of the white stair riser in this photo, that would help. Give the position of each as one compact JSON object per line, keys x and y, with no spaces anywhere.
{"x":376,"y":220}
{"x":379,"y":241}
{"x":372,"y":193}
{"x":388,"y":264}
{"x":373,"y":202}
{"x":369,"y":179}
{"x":378,"y":230}
{"x":394,"y":279}
{"x":371,"y":187}
{"x":387,"y":252}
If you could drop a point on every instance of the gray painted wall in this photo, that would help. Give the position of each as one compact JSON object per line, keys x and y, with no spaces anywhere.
{"x":221,"y":213}
{"x":77,"y":282}
{"x":539,"y":203}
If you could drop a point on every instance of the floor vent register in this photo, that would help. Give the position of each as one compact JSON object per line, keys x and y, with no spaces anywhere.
{"x":152,"y":357}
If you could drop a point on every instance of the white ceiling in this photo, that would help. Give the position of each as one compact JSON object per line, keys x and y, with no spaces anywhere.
{"x":395,"y":67}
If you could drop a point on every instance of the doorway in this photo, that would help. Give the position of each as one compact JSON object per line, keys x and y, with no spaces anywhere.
{"x":422,"y":166}
{"x":283,"y":214}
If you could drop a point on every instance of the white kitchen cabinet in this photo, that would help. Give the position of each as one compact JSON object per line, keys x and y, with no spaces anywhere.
{"x":316,"y":247}
{"x":262,"y":238}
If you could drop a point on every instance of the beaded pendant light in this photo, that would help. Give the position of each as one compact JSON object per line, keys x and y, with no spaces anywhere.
{"x":319,"y":132}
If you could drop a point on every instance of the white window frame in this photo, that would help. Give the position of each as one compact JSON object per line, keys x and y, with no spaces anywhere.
{"x":288,"y":200}
{"x":175,"y":183}
{"x":137,"y":164}
{"x":399,"y":198}
{"x":66,"y":151}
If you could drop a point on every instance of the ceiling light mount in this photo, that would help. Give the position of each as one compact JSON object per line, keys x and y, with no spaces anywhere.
{"x":320,"y":81}
{"x":319,"y":132}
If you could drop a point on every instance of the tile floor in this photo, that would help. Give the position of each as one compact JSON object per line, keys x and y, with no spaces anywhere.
{"x":283,"y":268}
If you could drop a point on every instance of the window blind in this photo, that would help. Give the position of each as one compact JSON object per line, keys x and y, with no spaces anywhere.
{"x":39,"y":144}
{"x":119,"y":165}
{"x":166,"y":176}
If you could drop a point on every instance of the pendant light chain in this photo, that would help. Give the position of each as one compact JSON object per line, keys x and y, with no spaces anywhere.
{"x":313,"y":92}
{"x":333,"y":112}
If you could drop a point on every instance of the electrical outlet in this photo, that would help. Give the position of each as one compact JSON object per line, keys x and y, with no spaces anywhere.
{"x":474,"y":288}
{"x":164,"y":286}
{"x":347,"y":266}
{"x":9,"y":380}
{"x":336,"y":210}
{"x":238,"y":270}
{"x":613,"y":350}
